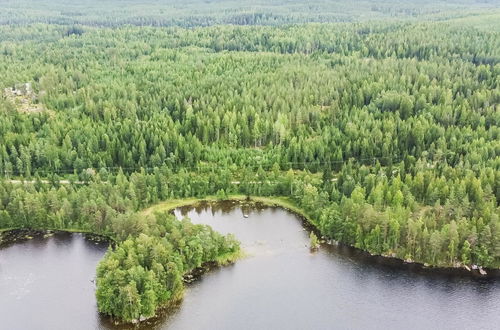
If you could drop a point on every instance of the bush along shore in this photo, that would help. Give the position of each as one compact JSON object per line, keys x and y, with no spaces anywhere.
{"x":10,"y":236}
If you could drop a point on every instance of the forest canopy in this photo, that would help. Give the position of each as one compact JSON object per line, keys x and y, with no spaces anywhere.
{"x":386,"y":134}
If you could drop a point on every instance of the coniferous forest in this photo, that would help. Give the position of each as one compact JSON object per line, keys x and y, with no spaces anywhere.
{"x":380,"y":122}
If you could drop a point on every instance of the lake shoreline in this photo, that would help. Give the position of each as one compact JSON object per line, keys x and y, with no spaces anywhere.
{"x":310,"y":225}
{"x":10,"y":236}
{"x":250,"y":207}
{"x":17,"y":235}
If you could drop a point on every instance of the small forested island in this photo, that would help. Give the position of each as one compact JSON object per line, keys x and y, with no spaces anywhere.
{"x":380,"y":127}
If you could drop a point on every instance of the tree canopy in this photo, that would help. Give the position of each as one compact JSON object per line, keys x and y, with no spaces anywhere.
{"x":385,"y":133}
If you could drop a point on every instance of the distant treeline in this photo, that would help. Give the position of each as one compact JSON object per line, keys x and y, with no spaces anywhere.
{"x":238,"y":12}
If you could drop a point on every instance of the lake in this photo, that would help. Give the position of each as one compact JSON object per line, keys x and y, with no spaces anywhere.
{"x":280,"y":284}
{"x":47,"y":283}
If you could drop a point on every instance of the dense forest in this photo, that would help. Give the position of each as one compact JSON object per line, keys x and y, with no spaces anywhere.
{"x":194,"y":13}
{"x":385,"y":134}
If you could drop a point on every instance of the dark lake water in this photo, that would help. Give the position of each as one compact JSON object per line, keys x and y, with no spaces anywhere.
{"x":45,"y":284}
{"x":282,"y":285}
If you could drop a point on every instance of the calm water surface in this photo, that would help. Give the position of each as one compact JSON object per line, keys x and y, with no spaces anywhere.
{"x":280,"y":285}
{"x":45,"y":283}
